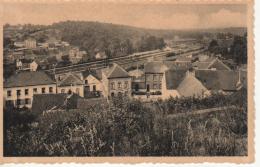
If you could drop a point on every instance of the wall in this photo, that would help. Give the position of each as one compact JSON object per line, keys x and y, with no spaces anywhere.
{"x":166,"y":93}
{"x":73,"y":89}
{"x":93,"y":81}
{"x":123,"y":89}
{"x":154,"y":80}
{"x":14,"y":97}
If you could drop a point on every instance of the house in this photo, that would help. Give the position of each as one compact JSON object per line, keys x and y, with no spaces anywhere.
{"x":30,"y":43}
{"x":182,"y":83}
{"x":46,"y":103}
{"x":153,"y":75}
{"x":220,"y":80}
{"x":20,"y":88}
{"x":116,"y":81}
{"x":75,"y":55}
{"x":101,"y":55}
{"x":26,"y":64}
{"x":92,"y":82}
{"x":138,"y":80}
{"x":71,"y":83}
{"x":210,"y":63}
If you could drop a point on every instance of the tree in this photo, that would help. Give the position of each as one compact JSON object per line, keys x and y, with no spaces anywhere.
{"x":213,"y":46}
{"x":239,"y":49}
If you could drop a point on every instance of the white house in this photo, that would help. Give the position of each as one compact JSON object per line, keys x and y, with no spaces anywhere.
{"x":71,"y":84}
{"x":20,"y":88}
{"x":92,"y":82}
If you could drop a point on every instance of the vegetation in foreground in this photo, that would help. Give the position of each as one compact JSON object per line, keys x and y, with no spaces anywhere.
{"x":130,"y":128}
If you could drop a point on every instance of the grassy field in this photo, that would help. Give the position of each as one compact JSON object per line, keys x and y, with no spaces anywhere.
{"x":131,"y":128}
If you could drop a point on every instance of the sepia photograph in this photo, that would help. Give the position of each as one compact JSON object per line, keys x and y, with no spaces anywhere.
{"x":103,"y":79}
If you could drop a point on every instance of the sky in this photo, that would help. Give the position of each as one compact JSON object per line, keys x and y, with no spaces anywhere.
{"x":155,"y":16}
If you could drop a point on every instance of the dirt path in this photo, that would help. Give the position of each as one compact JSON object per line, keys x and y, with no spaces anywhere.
{"x":204,"y":111}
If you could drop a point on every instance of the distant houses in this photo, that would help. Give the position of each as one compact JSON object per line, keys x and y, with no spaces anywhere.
{"x":26,"y":65}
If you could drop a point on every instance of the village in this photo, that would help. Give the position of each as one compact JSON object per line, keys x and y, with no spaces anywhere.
{"x":174,"y":71}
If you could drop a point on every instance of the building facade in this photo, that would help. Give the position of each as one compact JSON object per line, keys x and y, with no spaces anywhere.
{"x":20,"y":88}
{"x":116,"y":81}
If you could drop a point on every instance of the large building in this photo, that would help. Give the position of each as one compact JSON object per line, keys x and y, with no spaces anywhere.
{"x":20,"y":88}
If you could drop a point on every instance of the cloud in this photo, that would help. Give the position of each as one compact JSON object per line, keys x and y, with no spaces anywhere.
{"x":225,"y":18}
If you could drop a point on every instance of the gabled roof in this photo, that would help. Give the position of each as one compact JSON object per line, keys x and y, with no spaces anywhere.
{"x":44,"y":102}
{"x":191,"y":86}
{"x":155,"y":67}
{"x":174,"y":78}
{"x":218,"y":79}
{"x":209,"y":63}
{"x":115,"y":72}
{"x":71,"y":80}
{"x":91,"y":72}
{"x":28,"y":78}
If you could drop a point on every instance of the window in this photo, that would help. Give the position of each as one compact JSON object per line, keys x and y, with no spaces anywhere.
{"x":160,"y":86}
{"x":155,"y":86}
{"x":112,"y":94}
{"x":119,"y":85}
{"x":126,"y":84}
{"x":69,"y":92}
{"x":43,"y":90}
{"x":50,"y":89}
{"x":27,"y":101}
{"x":154,"y":77}
{"x":112,"y":85}
{"x":26,"y":91}
{"x":9,"y":93}
{"x":62,"y":90}
{"x":18,"y":102}
{"x":77,"y":91}
{"x":94,"y":88}
{"x":34,"y":90}
{"x":18,"y":92}
{"x":86,"y":81}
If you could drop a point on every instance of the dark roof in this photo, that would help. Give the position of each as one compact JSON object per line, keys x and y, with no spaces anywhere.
{"x":44,"y":102}
{"x":91,"y":72}
{"x":92,"y":103}
{"x":28,"y":78}
{"x":116,"y":72}
{"x":218,"y":79}
{"x":71,"y":79}
{"x":155,"y":67}
{"x":26,"y":60}
{"x":174,"y":78}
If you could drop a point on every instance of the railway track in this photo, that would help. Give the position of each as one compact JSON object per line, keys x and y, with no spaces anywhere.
{"x":98,"y":64}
